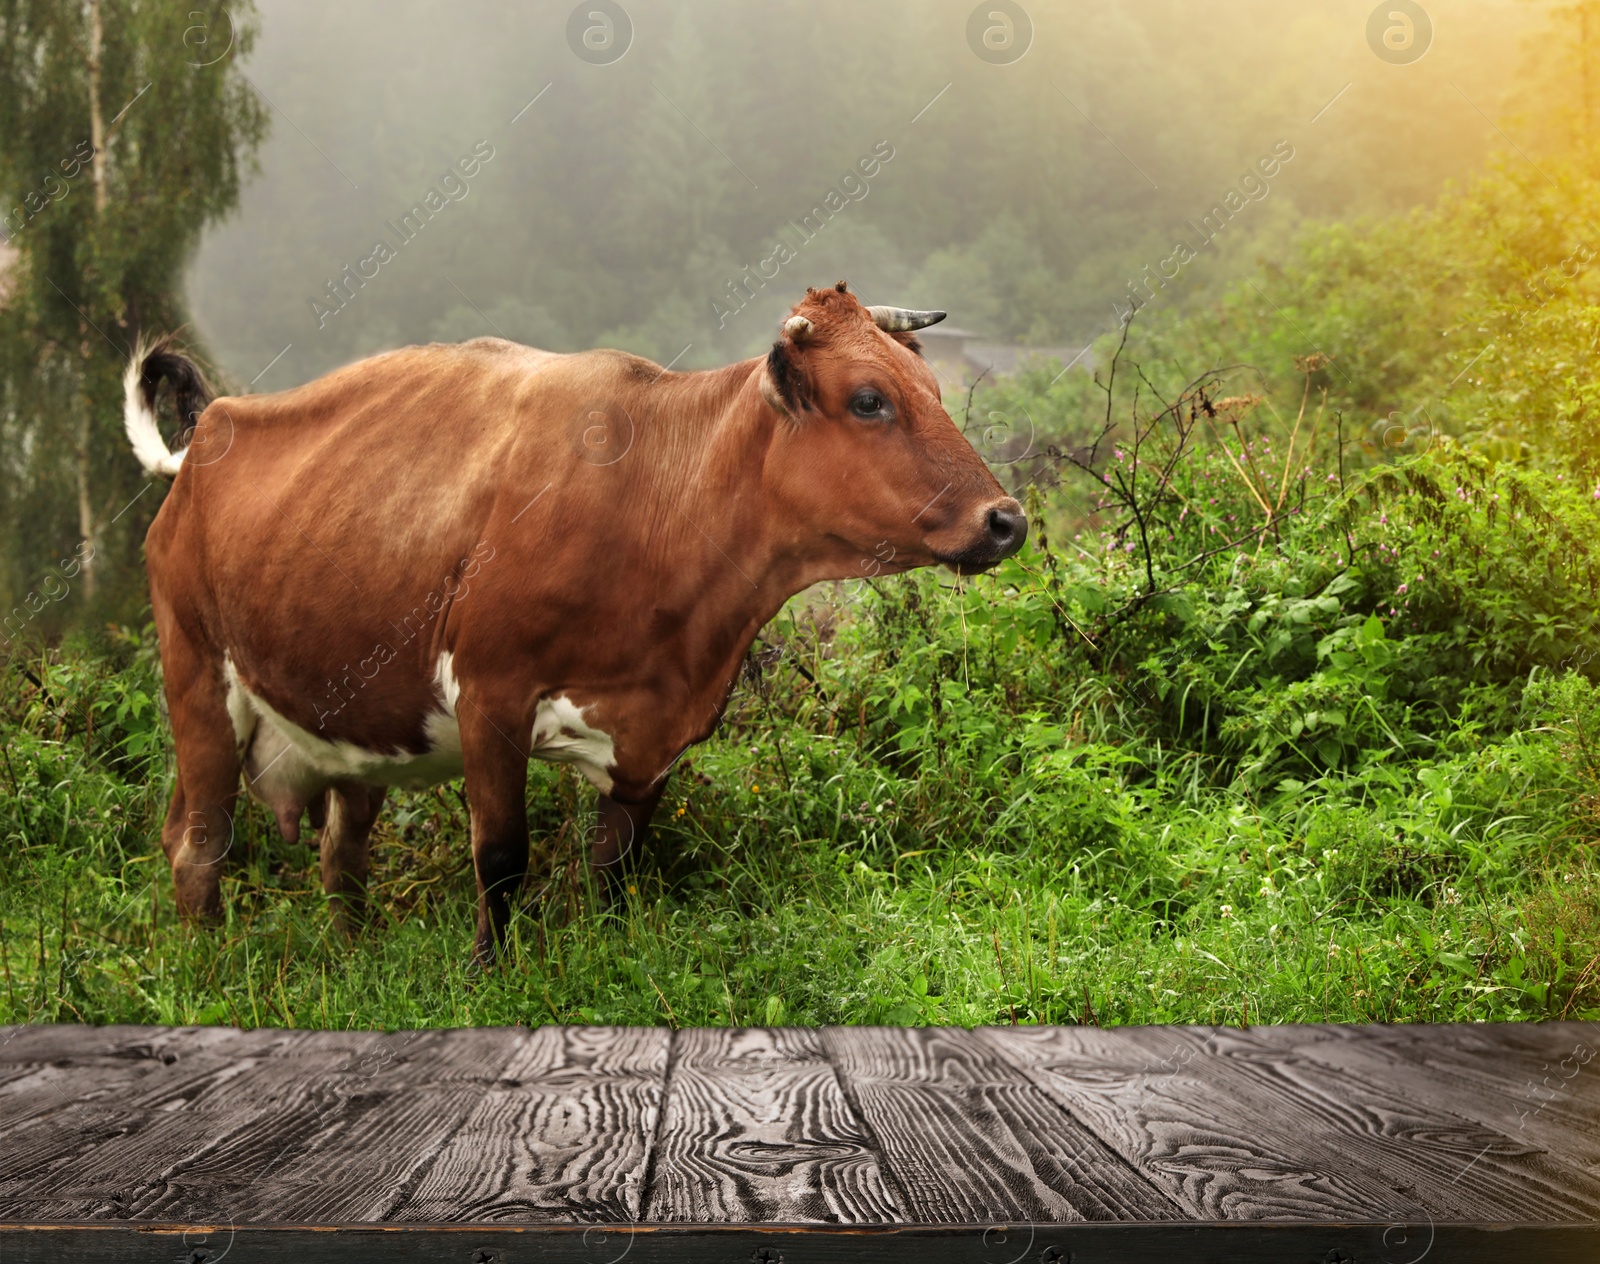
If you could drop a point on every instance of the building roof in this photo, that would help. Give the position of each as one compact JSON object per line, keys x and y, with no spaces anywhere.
{"x":946,"y":331}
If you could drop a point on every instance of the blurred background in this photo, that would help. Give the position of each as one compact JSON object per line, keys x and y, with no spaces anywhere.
{"x":654,"y":191}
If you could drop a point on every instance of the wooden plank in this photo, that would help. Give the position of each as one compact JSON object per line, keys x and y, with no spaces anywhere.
{"x":123,"y":1075}
{"x":76,"y":1042}
{"x":74,"y":1060}
{"x":862,"y":1127}
{"x":31,"y":1089}
{"x":964,"y":1137}
{"x":227,"y":1145}
{"x":44,"y":1042}
{"x":1490,"y":1040}
{"x":163,"y":1084}
{"x":1556,"y":1112}
{"x":82,"y":1044}
{"x":73,"y":1064}
{"x":564,"y":1135}
{"x":1463,"y":1167}
{"x":1528,"y":1060}
{"x":106,"y":1158}
{"x":1155,"y":1102}
{"x":15,"y":1071}
{"x":1239,"y":1130}
{"x":757,"y":1128}
{"x":59,"y":1114}
{"x":337,"y":1138}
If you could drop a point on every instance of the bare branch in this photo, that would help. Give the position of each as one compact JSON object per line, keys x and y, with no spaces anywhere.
{"x":966,"y":414}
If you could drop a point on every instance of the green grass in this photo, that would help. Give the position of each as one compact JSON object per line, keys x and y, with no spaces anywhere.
{"x":1296,"y":725}
{"x":1333,"y":763}
{"x":796,"y":877}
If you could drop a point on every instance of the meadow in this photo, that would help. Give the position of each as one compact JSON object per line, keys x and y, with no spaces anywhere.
{"x":1287,"y":712}
{"x":1270,"y":722}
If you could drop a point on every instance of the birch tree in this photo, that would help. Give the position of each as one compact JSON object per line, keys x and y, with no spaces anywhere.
{"x":125,"y":127}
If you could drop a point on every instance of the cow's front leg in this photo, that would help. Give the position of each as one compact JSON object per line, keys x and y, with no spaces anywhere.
{"x":619,"y":834}
{"x":497,"y":788}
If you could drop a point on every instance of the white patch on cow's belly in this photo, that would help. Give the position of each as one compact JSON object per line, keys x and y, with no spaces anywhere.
{"x":562,"y":736}
{"x":284,"y":763}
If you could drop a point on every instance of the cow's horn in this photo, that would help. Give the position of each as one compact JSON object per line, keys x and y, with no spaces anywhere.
{"x":899,"y":320}
{"x":798,"y":328}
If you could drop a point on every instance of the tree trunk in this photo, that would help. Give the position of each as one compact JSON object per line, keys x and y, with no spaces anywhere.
{"x":97,"y":169}
{"x":87,"y":527}
{"x":97,"y":123}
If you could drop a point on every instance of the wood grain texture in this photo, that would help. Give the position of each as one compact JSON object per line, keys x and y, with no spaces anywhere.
{"x":64,"y":1108}
{"x":15,"y":1071}
{"x":1487,"y":1041}
{"x":1550,"y":1099}
{"x":757,"y":1128}
{"x":95,"y":1160}
{"x":121,"y":1065}
{"x":343,"y":1145}
{"x":35,"y":1089}
{"x":966,"y":1138}
{"x":1152,"y":1098}
{"x":224,"y":1142}
{"x":50,"y":1042}
{"x":1529,"y":1061}
{"x":1048,"y":1128}
{"x":1240,"y":1130}
{"x":564,"y":1135}
{"x":1460,"y":1168}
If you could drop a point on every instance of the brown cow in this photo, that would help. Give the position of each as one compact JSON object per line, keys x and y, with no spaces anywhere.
{"x":448,"y":560}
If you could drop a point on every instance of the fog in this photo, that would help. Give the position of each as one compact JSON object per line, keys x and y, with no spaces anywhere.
{"x":676,"y":199}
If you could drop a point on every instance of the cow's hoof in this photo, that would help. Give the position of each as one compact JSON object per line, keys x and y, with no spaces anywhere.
{"x":485,"y":956}
{"x":349,"y":917}
{"x":203,"y":912}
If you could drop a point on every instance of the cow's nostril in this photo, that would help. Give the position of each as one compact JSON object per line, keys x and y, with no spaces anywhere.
{"x":1007,"y":530}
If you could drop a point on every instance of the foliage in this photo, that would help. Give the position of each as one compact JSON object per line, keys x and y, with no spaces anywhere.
{"x":1280,"y":789}
{"x":118,"y":144}
{"x":1472,"y":319}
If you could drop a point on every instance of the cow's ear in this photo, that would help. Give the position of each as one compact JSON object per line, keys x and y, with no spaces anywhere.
{"x":783,"y":383}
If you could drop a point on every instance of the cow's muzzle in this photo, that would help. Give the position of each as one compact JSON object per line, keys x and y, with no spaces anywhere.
{"x":1005,"y":527}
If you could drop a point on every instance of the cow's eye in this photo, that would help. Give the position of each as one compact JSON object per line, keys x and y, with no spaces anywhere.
{"x":868,"y":404}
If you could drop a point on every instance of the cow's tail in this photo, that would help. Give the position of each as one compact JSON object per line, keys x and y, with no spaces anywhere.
{"x":153,"y":363}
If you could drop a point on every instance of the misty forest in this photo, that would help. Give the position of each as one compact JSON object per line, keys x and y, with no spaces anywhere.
{"x":1283,"y":332}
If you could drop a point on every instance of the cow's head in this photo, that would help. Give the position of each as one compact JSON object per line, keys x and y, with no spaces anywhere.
{"x":866,"y":459}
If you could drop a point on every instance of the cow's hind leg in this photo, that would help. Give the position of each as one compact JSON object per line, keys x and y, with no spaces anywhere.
{"x":497,"y":790}
{"x":199,"y":828}
{"x":351,"y":809}
{"x":618,"y":835}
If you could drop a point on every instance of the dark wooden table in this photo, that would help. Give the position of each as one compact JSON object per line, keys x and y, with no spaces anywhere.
{"x":999,"y":1146}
